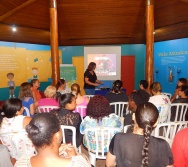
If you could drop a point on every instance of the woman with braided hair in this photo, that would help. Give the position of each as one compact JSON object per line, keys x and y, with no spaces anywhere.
{"x":139,"y":148}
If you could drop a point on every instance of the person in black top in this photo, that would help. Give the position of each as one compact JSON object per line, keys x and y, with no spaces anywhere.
{"x":90,"y":79}
{"x":183,"y":98}
{"x":67,"y":103}
{"x":116,"y":95}
{"x":181,"y":82}
{"x":139,"y":148}
{"x":135,"y":99}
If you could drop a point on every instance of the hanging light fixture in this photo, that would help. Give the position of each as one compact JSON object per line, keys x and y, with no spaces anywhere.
{"x":14,"y":28}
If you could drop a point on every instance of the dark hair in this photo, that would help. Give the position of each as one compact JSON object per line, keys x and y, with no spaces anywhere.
{"x":65,"y":99}
{"x":156,"y":87}
{"x":98,"y":107}
{"x":33,"y":81}
{"x":59,"y":83}
{"x":144,"y":83}
{"x":11,"y":106}
{"x":91,"y":66}
{"x":42,"y":128}
{"x":25,"y":90}
{"x":139,"y":97}
{"x":146,"y":116}
{"x":183,"y":81}
{"x":75,"y":88}
{"x":117,"y":85}
{"x":184,"y":88}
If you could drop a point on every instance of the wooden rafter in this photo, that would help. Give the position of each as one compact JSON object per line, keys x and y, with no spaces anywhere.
{"x":11,"y":12}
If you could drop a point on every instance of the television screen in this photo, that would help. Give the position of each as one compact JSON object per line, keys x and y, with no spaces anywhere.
{"x":107,"y":59}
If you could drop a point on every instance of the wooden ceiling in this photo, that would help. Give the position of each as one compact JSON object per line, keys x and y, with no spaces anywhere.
{"x":92,"y":22}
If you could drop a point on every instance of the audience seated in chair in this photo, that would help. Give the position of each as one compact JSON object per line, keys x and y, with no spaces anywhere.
{"x":116,"y":94}
{"x":183,"y":95}
{"x":61,"y":88}
{"x":135,"y":99}
{"x":158,"y":98}
{"x":13,"y":120}
{"x":99,"y":115}
{"x":144,"y":88}
{"x":26,"y":96}
{"x":80,"y":100}
{"x":181,"y":82}
{"x":4,"y":154}
{"x":35,"y":85}
{"x":183,"y":98}
{"x":49,"y":93}
{"x":65,"y":115}
{"x":139,"y":148}
{"x":45,"y":133}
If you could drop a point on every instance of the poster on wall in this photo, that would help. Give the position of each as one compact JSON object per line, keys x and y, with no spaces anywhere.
{"x":20,"y":65}
{"x":68,"y":72}
{"x":171,"y":61}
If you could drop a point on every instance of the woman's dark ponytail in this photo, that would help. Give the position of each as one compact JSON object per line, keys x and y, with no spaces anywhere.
{"x":147,"y":134}
{"x":146,"y":116}
{"x":117,"y":85}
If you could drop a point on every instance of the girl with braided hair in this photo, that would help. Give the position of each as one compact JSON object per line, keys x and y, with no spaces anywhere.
{"x":139,"y":148}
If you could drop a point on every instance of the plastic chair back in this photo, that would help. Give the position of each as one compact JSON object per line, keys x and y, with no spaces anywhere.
{"x":81,"y":110}
{"x":178,"y":112}
{"x":17,"y":143}
{"x":42,"y":109}
{"x":89,"y":96}
{"x":73,"y":129}
{"x":126,"y":128}
{"x":101,"y":137}
{"x":119,"y":107}
{"x":168,"y":130}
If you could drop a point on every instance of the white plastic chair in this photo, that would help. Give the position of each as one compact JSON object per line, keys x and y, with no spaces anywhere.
{"x":80,"y":110}
{"x":167,"y":94}
{"x":73,"y":129}
{"x":164,"y":110}
{"x":126,"y":127}
{"x":119,"y":107}
{"x":89,"y":96}
{"x":27,"y":111}
{"x":17,"y":143}
{"x":42,"y":109}
{"x":180,"y":110}
{"x":101,"y":137}
{"x":168,"y":130}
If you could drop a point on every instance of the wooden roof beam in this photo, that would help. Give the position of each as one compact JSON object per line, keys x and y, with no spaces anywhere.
{"x":11,"y":12}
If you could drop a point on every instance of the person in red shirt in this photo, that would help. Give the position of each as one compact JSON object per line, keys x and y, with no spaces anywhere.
{"x":35,"y":85}
{"x":180,"y":148}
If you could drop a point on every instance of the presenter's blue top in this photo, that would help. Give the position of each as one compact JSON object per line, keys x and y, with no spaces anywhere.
{"x":92,"y":78}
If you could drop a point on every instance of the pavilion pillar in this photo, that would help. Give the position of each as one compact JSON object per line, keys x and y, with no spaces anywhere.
{"x":149,"y":40}
{"x":54,"y":42}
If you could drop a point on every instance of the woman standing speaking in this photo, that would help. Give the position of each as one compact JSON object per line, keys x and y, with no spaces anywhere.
{"x":90,"y":79}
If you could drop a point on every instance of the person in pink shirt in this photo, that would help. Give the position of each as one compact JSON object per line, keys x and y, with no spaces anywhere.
{"x":80,"y":100}
{"x":49,"y":93}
